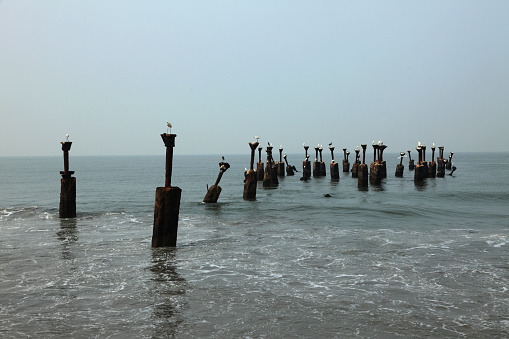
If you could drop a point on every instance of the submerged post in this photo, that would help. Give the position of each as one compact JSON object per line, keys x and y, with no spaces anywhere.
{"x":441,"y":162}
{"x":214,"y":190}
{"x":322,"y":171}
{"x":289,"y":169}
{"x":167,"y":204}
{"x":251,"y":177}
{"x":67,"y":186}
{"x":449,"y":163}
{"x":419,"y":174}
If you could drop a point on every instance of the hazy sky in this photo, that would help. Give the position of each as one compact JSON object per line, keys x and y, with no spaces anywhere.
{"x":111,"y":73}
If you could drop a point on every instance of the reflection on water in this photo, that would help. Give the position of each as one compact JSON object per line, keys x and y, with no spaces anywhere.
{"x":167,"y":289}
{"x":68,"y":234}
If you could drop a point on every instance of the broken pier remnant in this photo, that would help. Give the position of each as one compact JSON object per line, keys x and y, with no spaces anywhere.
{"x":214,"y":190}
{"x":334,"y":167}
{"x":251,"y":176}
{"x":67,"y":185}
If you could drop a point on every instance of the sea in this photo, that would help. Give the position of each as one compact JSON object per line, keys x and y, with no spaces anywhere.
{"x":397,"y":260}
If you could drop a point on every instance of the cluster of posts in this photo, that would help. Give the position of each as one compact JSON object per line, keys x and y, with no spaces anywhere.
{"x":167,"y":198}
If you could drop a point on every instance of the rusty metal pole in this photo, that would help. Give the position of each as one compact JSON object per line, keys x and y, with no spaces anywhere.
{"x":270,"y":175}
{"x":419,"y":168}
{"x":346,"y":164}
{"x":167,"y":203}
{"x":251,"y":176}
{"x":260,"y":172}
{"x":411,"y":164}
{"x":289,"y":169}
{"x":306,"y":165}
{"x":441,"y":163}
{"x":316,"y":164}
{"x":213,"y":192}
{"x":400,"y":167}
{"x":67,"y":207}
{"x":432,"y":165}
{"x":356,"y":164}
{"x":449,"y":163}
{"x":321,"y":170}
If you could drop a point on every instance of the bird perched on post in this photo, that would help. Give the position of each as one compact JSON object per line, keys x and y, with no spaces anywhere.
{"x":168,"y":125}
{"x":67,"y":137}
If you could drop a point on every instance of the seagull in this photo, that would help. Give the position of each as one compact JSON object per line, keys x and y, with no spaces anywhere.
{"x":419,"y":143}
{"x":169,"y":126}
{"x":330,"y":143}
{"x":373,"y":142}
{"x":257,"y":138}
{"x":67,"y":137}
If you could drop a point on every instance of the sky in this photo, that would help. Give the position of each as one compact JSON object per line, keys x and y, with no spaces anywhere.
{"x":112,"y":73}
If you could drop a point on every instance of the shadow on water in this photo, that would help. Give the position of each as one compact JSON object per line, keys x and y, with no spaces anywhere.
{"x":68,"y":235}
{"x":420,"y":185}
{"x":167,"y":292}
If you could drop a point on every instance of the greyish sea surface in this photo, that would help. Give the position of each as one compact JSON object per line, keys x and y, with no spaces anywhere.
{"x":395,"y":261}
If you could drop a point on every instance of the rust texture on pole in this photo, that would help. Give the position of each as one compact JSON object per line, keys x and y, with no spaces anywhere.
{"x":253,"y":146}
{"x":169,"y":142}
{"x":67,"y":207}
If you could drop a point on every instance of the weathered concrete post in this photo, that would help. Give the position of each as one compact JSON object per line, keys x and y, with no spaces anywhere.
{"x":346,"y":164}
{"x":67,"y":186}
{"x":419,"y":168}
{"x":449,"y":163}
{"x":400,"y":167}
{"x":441,"y":163}
{"x":411,"y":164}
{"x":289,"y":169}
{"x":356,"y":164}
{"x":306,"y":165}
{"x":270,"y":176}
{"x":362,"y":170}
{"x":259,"y":166}
{"x":432,"y":166}
{"x":251,"y":177}
{"x":281,"y":164}
{"x":322,"y":170}
{"x":167,"y":205}
{"x":375,"y":169}
{"x":334,"y":167}
{"x":214,"y":190}
{"x":316,"y":163}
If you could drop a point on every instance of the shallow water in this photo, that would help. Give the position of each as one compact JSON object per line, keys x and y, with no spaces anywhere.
{"x":397,"y":260}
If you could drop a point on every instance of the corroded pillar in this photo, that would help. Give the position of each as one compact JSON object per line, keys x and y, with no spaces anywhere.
{"x":67,"y":207}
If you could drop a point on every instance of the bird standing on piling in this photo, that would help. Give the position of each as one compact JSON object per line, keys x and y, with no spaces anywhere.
{"x":169,"y":126}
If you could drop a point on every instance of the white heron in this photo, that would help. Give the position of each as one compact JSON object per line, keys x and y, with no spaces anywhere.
{"x":169,"y":126}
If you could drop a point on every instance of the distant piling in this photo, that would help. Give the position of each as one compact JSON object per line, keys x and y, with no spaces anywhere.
{"x":322,"y":170}
{"x":270,"y":176}
{"x":281,"y":165}
{"x":356,"y":164}
{"x":67,"y":186}
{"x":213,"y":192}
{"x":400,"y":167}
{"x":346,"y":164}
{"x":334,"y":166}
{"x":376,"y":172}
{"x":441,"y":163}
{"x":411,"y":164}
{"x":432,"y":165}
{"x":424,"y":163}
{"x":449,"y":162}
{"x":362,"y":170}
{"x":289,"y":169}
{"x":419,"y":172}
{"x":251,"y":178}
{"x":259,"y":166}
{"x":316,"y":163}
{"x":306,"y":166}
{"x":167,"y":204}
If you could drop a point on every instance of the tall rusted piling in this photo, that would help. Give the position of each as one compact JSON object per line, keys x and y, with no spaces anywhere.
{"x":400,"y":167}
{"x":432,"y":166}
{"x":356,"y":164}
{"x":449,"y":162}
{"x":334,"y":167}
{"x":346,"y":164}
{"x":411,"y":164}
{"x":382,"y":162}
{"x":441,"y":163}
{"x":362,"y":170}
{"x":306,"y":165}
{"x":281,"y":165}
{"x":270,"y":175}
{"x":251,"y":177}
{"x":289,"y":169}
{"x":214,"y":190}
{"x":259,"y":166}
{"x":67,"y":186}
{"x":167,"y":205}
{"x":419,"y":172}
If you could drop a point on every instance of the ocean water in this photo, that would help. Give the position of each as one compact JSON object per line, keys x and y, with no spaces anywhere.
{"x":395,"y":261}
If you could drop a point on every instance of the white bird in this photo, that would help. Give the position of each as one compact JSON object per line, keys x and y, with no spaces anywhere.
{"x":169,"y":126}
{"x":67,"y":137}
{"x":419,"y":143}
{"x":373,"y":142}
{"x":356,"y":147}
{"x":257,"y":138}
